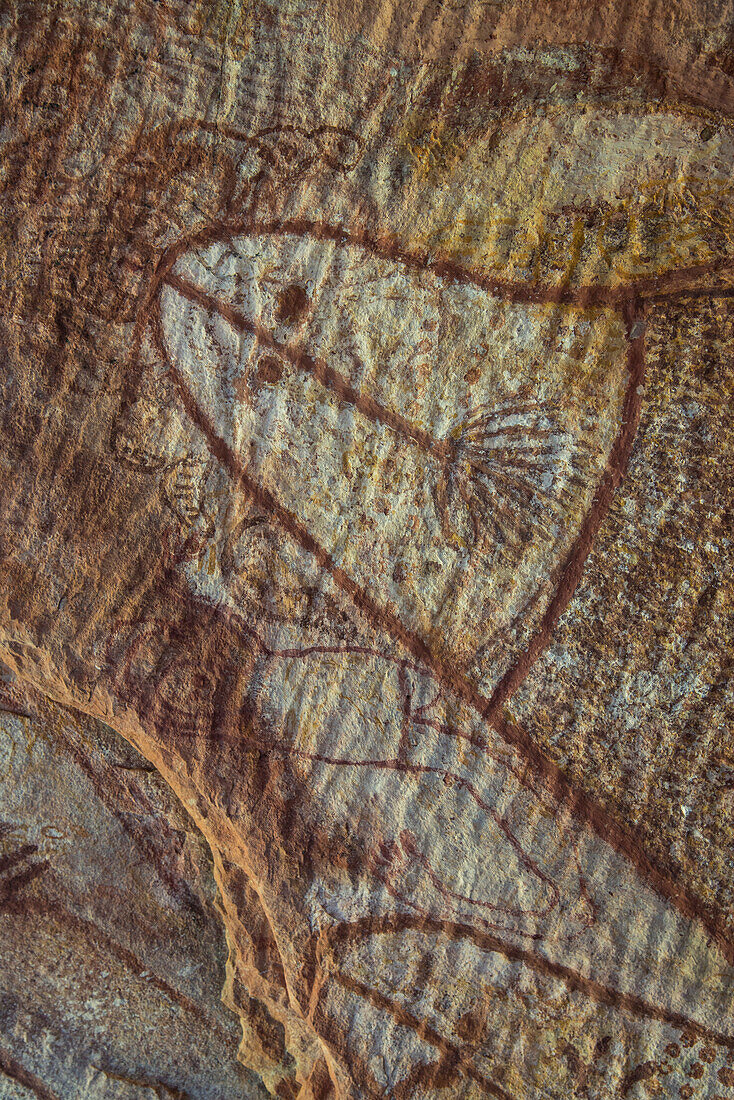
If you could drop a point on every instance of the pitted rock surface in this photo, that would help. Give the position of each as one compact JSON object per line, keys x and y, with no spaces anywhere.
{"x":365,"y":544}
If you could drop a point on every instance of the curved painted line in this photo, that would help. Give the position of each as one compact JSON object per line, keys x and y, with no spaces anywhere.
{"x":396,"y":923}
{"x":583,"y":807}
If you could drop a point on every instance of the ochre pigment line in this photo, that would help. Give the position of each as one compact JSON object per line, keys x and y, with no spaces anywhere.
{"x":517,"y":292}
{"x":329,"y":378}
{"x":396,"y":923}
{"x":584,"y":808}
{"x":17,"y":1072}
{"x":423,"y":1030}
{"x":463,"y":221}
{"x":91,"y":933}
{"x":582,"y":547}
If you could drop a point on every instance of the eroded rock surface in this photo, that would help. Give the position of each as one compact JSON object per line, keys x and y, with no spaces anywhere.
{"x":366,"y":454}
{"x":113,"y":954}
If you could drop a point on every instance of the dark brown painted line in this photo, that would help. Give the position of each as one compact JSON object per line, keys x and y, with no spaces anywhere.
{"x":576,"y":560}
{"x":331,"y":379}
{"x":7,"y":708}
{"x":264,"y":499}
{"x":695,"y":81}
{"x":677,"y":281}
{"x":388,"y":247}
{"x":333,"y":1039}
{"x":582,"y":547}
{"x":585,"y":808}
{"x":423,"y":1030}
{"x":10,"y":888}
{"x":12,"y":860}
{"x":697,"y":292}
{"x":13,"y":1069}
{"x":581,"y":805}
{"x":596,"y":991}
{"x":129,"y":824}
{"x":619,"y":837}
{"x":427,"y":1075}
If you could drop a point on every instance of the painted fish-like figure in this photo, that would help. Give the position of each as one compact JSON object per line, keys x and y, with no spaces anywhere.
{"x":442,"y":446}
{"x":395,"y":418}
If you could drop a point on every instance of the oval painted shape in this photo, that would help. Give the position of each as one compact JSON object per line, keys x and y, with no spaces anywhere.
{"x":442,"y":445}
{"x":270,"y":337}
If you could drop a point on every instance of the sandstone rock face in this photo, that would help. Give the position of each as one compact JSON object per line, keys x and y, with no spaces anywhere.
{"x":113,"y":958}
{"x":366,"y":484}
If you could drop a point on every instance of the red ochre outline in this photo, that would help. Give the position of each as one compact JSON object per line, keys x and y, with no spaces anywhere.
{"x":344,"y":933}
{"x":630,"y":301}
{"x":635,"y":1005}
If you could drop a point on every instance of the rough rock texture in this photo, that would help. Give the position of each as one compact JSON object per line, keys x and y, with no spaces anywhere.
{"x":112,"y":952}
{"x":365,"y":455}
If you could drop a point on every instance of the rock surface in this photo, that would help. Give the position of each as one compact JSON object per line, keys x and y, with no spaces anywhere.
{"x":366,"y":467}
{"x":112,"y":952}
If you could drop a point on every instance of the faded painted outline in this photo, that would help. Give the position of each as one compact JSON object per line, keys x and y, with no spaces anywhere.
{"x":628,"y":300}
{"x":454,"y":930}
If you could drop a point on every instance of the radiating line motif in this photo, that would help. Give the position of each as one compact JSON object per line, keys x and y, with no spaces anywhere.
{"x":513,"y":466}
{"x":509,"y":466}
{"x":506,"y":471}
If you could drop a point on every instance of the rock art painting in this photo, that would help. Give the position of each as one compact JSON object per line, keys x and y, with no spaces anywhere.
{"x":366,"y":551}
